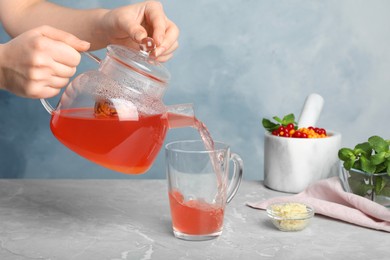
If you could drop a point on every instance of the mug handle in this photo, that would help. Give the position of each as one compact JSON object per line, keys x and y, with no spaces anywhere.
{"x":49,"y":108}
{"x":238,"y":168}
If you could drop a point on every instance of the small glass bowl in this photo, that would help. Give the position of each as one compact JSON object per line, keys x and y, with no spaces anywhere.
{"x":290,"y":216}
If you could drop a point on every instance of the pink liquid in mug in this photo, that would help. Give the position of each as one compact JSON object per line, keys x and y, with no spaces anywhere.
{"x":195,"y":217}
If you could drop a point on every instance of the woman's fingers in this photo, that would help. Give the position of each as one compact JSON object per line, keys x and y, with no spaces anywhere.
{"x":65,"y":37}
{"x":169,"y":43}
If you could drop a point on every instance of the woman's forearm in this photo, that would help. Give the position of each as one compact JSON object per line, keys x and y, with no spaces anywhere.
{"x":19,"y":16}
{"x":126,"y":25}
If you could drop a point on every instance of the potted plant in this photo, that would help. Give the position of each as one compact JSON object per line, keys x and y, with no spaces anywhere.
{"x":366,"y":169}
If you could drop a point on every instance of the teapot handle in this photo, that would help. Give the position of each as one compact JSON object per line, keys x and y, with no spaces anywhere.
{"x":92,"y":57}
{"x":49,"y":108}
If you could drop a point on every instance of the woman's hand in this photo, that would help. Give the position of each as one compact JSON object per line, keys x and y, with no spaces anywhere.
{"x":39,"y":62}
{"x":130,"y":24}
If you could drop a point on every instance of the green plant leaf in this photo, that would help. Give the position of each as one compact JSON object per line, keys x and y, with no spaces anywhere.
{"x":363,"y":148}
{"x":363,"y":190}
{"x":378,"y":144}
{"x":378,"y":158}
{"x":358,"y":184}
{"x":348,"y":165}
{"x":268,"y":125}
{"x":388,"y":167}
{"x":380,"y":183}
{"x":381,"y":167}
{"x":346,"y":154}
{"x":277,"y":119}
{"x":288,"y":119}
{"x":357,"y":165}
{"x":386,"y":188}
{"x":366,"y":164}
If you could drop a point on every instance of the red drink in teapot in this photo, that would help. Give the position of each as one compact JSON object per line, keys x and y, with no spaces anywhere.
{"x":127,"y":146}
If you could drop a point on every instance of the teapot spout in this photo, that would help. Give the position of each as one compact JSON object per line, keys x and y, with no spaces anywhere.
{"x":181,"y":115}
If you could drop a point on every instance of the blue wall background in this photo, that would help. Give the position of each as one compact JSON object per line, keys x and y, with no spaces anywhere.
{"x":238,"y":61}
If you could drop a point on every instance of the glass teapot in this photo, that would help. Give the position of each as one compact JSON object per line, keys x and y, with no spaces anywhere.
{"x":114,"y":116}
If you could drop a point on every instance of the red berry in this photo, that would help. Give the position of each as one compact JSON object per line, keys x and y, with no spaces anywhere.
{"x":290,"y":126}
{"x":275,"y":132}
{"x":304,"y":135}
{"x":297,"y":134}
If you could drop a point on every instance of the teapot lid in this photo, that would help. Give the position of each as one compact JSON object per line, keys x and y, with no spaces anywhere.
{"x":140,"y":61}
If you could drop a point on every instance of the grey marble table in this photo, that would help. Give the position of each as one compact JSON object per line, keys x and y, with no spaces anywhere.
{"x":130,"y":219}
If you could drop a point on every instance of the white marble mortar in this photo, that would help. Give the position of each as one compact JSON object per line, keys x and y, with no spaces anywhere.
{"x":291,"y":164}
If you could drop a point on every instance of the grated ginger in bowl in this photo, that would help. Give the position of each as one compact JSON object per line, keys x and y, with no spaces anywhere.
{"x":290,"y":216}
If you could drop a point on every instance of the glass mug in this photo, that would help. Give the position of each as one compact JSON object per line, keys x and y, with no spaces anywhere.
{"x":199,"y":187}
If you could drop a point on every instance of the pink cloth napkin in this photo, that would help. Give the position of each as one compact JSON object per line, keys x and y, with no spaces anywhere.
{"x":329,"y":199}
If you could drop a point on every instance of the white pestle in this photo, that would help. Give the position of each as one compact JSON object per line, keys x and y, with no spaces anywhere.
{"x":311,"y":111}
